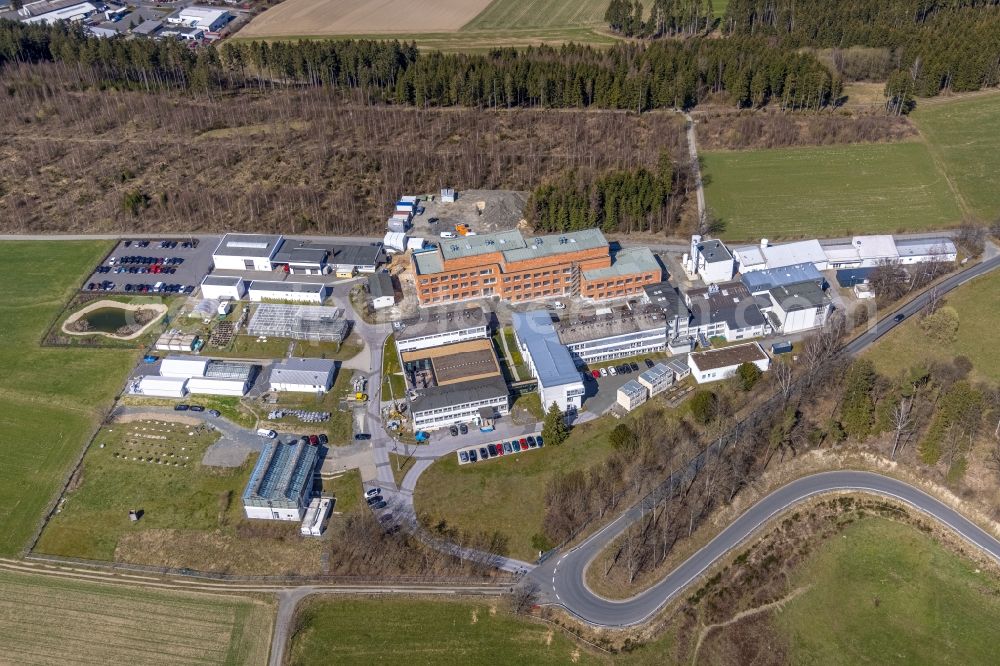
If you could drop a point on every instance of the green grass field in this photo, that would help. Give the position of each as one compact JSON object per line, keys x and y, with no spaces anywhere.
{"x":393,"y":383}
{"x":933,"y":607}
{"x":167,"y":481}
{"x":49,"y":620}
{"x":503,"y":15}
{"x":418,"y":631}
{"x":516,"y":480}
{"x":964,"y":136}
{"x":828,"y":191}
{"x":978,"y":306}
{"x":51,"y":400}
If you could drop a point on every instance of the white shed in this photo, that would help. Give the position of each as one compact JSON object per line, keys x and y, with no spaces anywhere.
{"x":303,"y":375}
{"x":163,"y":387}
{"x":223,"y":288}
{"x":216,"y":386}
{"x":183,"y":366}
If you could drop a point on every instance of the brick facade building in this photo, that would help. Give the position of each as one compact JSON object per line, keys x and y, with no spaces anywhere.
{"x":513,"y":268}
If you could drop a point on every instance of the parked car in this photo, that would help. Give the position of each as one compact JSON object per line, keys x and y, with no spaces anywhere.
{"x":649,"y":363}
{"x":531,"y":441}
{"x":433,"y":220}
{"x":463,"y":456}
{"x":559,"y":305}
{"x":197,"y":408}
{"x":464,"y":429}
{"x":634,"y":366}
{"x":362,"y":436}
{"x":314,"y":440}
{"x":214,"y":413}
{"x":323,"y":439}
{"x":499,"y":447}
{"x":381,"y":504}
{"x":453,"y":430}
{"x":507,"y":448}
{"x":492,"y":448}
{"x":524,"y":444}
{"x":483,"y":453}
{"x":612,"y":371}
{"x":372,"y":492}
{"x":538,"y":438}
{"x":472,"y":456}
{"x":604,"y":372}
{"x":595,"y":373}
{"x":181,"y":407}
{"x":898,"y":318}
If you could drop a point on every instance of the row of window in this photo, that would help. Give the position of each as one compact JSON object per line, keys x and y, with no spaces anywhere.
{"x":462,"y":407}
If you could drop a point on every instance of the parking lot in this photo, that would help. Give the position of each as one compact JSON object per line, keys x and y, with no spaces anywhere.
{"x":498,"y":449}
{"x":139,"y":266}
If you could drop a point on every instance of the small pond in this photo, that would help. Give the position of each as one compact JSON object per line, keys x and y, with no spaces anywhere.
{"x":108,"y":320}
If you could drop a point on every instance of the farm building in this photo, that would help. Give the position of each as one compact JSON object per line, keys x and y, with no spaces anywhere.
{"x":246,"y":252}
{"x":280,"y":486}
{"x":303,"y":375}
{"x":548,"y":360}
{"x":442,"y":327}
{"x":381,"y":290}
{"x":223,"y":288}
{"x":613,"y":334}
{"x":717,"y":364}
{"x":631,"y":394}
{"x":299,"y":292}
{"x":711,"y":260}
{"x":657,"y":379}
{"x":299,"y":322}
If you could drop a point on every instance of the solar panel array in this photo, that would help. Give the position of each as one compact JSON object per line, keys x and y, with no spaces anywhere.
{"x":300,"y":322}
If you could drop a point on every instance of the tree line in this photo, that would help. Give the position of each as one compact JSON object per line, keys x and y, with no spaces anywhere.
{"x":667,"y":18}
{"x":637,"y":77}
{"x":934,"y":45}
{"x":616,"y":201}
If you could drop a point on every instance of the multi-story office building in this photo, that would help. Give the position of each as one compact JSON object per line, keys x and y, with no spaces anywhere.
{"x":614,"y":334}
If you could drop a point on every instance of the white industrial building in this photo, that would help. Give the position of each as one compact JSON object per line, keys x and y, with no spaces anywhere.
{"x":223,"y":288}
{"x":717,"y":364}
{"x":202,"y":376}
{"x":920,"y":250}
{"x":296,"y":292}
{"x":477,"y":401}
{"x":711,"y":260}
{"x":50,"y":13}
{"x":797,"y":307}
{"x":759,"y":257}
{"x":246,"y":252}
{"x":631,"y":394}
{"x":163,"y":387}
{"x":210,"y":19}
{"x":657,"y":379}
{"x":442,"y":327}
{"x":861,"y":252}
{"x":611,"y":334}
{"x":183,"y":366}
{"x":302,"y":375}
{"x":725,"y":310}
{"x":280,"y":486}
{"x":548,"y":360}
{"x":380,"y":289}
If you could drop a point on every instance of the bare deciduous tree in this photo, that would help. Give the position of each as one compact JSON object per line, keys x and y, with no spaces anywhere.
{"x":900,"y":423}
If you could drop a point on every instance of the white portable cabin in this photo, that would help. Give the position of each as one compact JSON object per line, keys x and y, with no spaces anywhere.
{"x":448,"y":195}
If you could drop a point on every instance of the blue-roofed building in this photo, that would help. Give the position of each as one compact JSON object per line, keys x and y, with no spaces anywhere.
{"x":759,"y":282}
{"x":548,"y":360}
{"x":280,"y":486}
{"x":851,"y":277}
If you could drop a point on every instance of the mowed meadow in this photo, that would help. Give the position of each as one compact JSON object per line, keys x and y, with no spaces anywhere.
{"x":448,"y":25}
{"x":47,"y":620}
{"x":827,"y":191}
{"x":51,"y":400}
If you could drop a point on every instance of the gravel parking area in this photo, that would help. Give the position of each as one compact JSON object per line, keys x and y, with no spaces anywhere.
{"x":142,"y":263}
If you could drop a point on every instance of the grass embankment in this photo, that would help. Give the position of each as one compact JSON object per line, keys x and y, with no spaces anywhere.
{"x":248,"y":346}
{"x":828,"y":191}
{"x":406,"y":631}
{"x":882,"y":592}
{"x":514,"y":481}
{"x":49,"y":620}
{"x":346,"y":488}
{"x":393,"y":383}
{"x":964,"y":137}
{"x":978,"y":307}
{"x":515,"y":355}
{"x":51,"y":400}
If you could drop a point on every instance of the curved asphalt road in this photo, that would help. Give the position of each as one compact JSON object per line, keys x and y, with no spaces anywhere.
{"x":562,"y":580}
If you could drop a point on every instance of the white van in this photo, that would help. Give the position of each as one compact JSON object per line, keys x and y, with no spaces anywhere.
{"x":447,"y":234}
{"x":264,"y":432}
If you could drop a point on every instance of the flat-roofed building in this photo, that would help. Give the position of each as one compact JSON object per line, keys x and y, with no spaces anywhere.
{"x":318,"y":323}
{"x":50,"y":13}
{"x":726,"y":310}
{"x":463,"y":402}
{"x":183,"y":366}
{"x":246,"y":252}
{"x":163,"y":387}
{"x":920,"y":250}
{"x":618,"y":333}
{"x":631,"y":271}
{"x":759,"y":257}
{"x":442,"y":327}
{"x":657,"y":379}
{"x":716,"y":364}
{"x":711,"y":260}
{"x":797,"y":307}
{"x":221,"y":287}
{"x":518,"y":269}
{"x":210,"y":19}
{"x":450,"y":364}
{"x":297,"y":292}
{"x":631,"y":394}
{"x":302,"y":375}
{"x":280,"y":486}
{"x":759,"y":282}
{"x":306,"y":257}
{"x":548,"y":360}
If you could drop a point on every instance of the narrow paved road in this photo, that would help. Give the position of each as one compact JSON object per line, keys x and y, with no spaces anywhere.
{"x":695,"y":165}
{"x":562,"y":579}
